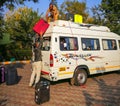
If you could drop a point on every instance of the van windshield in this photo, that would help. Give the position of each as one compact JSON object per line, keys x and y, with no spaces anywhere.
{"x":46,"y":43}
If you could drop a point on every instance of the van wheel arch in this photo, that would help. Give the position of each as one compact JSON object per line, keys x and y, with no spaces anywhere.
{"x":84,"y":67}
{"x":80,"y":75}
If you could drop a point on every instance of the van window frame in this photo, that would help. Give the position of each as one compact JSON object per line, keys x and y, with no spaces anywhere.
{"x":67,"y":45}
{"x":88,"y":44}
{"x":47,"y":48}
{"x":108,"y":43}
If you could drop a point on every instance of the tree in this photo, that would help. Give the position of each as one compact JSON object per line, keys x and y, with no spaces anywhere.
{"x":10,"y":4}
{"x":1,"y":27}
{"x":74,"y":7}
{"x":19,"y":25}
{"x":108,"y":13}
{"x":55,"y":2}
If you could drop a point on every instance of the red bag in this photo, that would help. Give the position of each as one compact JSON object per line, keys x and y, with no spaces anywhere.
{"x":41,"y":26}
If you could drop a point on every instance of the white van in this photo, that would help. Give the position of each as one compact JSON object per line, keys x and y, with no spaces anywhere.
{"x":75,"y":51}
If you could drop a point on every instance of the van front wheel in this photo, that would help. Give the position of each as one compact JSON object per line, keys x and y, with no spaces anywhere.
{"x":80,"y":77}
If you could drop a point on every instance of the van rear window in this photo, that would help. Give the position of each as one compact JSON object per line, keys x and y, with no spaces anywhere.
{"x":46,"y":43}
{"x":68,"y":43}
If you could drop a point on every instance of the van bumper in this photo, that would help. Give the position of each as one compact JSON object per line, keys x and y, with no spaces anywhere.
{"x":49,"y":76}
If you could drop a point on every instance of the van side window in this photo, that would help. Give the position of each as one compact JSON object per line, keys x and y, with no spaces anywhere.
{"x":90,"y":44}
{"x":119,"y":43}
{"x":68,"y":43}
{"x":109,"y":44}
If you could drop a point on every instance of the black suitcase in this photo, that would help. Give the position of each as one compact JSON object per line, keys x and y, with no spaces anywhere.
{"x":11,"y":75}
{"x":2,"y":74}
{"x":42,"y":92}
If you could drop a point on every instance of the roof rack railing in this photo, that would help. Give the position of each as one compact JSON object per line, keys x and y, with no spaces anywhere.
{"x":95,"y":27}
{"x":86,"y":25}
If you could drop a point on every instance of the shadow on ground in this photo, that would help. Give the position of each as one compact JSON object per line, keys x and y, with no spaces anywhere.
{"x":109,"y":95}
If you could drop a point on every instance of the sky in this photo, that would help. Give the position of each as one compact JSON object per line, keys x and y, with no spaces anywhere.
{"x":42,"y":5}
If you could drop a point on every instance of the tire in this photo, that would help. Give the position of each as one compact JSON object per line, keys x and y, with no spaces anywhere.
{"x":80,"y":77}
{"x":72,"y":82}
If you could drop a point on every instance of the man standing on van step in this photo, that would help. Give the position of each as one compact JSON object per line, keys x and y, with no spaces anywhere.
{"x":37,"y":62}
{"x":52,"y":13}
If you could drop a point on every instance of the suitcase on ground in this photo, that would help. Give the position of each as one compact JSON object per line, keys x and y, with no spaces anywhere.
{"x":11,"y":76}
{"x":42,"y":92}
{"x":40,"y":27}
{"x":2,"y":74}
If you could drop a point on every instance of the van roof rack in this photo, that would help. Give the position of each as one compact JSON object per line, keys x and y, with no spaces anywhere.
{"x":95,"y":27}
{"x":86,"y":25}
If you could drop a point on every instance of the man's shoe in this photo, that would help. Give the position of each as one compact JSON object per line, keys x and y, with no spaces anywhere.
{"x":34,"y":85}
{"x":30,"y":86}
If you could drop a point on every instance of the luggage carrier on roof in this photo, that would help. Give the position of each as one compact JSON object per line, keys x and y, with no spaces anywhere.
{"x":83,"y":25}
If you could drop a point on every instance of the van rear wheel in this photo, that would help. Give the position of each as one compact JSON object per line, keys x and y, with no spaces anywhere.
{"x":80,"y":77}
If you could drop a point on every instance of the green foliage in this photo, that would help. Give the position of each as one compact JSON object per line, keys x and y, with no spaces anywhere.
{"x":10,"y":4}
{"x":5,"y":39}
{"x":1,"y":22}
{"x":17,"y":54}
{"x":22,"y":54}
{"x":19,"y":25}
{"x":108,"y":13}
{"x":74,"y":7}
{"x":12,"y":50}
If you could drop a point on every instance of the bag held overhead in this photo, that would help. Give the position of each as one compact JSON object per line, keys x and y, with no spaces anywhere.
{"x":41,"y":26}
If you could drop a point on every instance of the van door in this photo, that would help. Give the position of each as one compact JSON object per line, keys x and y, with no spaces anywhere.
{"x":46,"y":56}
{"x":111,"y":54}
